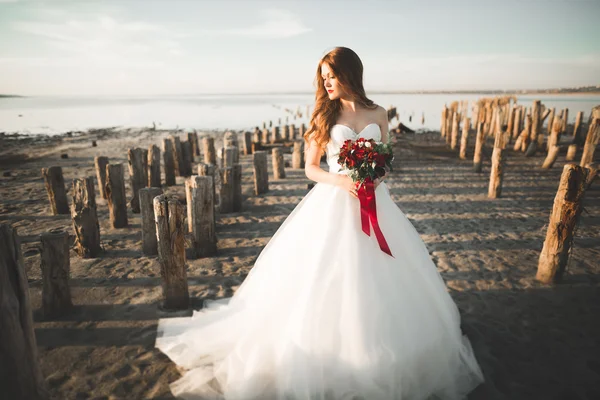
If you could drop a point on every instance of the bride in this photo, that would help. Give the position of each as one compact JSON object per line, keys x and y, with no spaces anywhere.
{"x":325,"y":313}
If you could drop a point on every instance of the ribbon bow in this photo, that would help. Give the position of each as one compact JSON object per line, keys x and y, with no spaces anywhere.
{"x":368,"y":213}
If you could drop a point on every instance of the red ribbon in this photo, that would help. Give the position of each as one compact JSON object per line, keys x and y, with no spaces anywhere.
{"x":368,"y":213}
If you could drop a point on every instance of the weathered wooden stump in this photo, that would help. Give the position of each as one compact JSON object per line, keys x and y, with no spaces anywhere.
{"x":553,"y":139}
{"x":149,"y":240}
{"x":278,"y":166}
{"x":55,"y":187}
{"x":85,"y":218}
{"x":178,"y":156}
{"x":516,"y":123}
{"x":591,"y":141}
{"x":20,"y":373}
{"x":497,"y":170}
{"x":443,"y":121}
{"x":261,"y":174}
{"x":210,"y":155}
{"x":454,"y":135}
{"x":188,"y":158}
{"x":226,"y":192}
{"x":154,"y":166}
{"x":55,"y":265}
{"x":464,"y":138}
{"x":193,"y":141}
{"x":477,"y":164}
{"x":563,"y":220}
{"x":536,"y":123}
{"x":169,"y":162}
{"x":237,"y":200}
{"x":230,"y":154}
{"x":115,"y":190}
{"x":101,"y":162}
{"x":200,"y":195}
{"x":292,"y":132}
{"x":169,"y":217}
{"x":265,"y":136}
{"x":138,"y":175}
{"x":577,"y":139}
{"x":274,"y":134}
{"x":209,"y":170}
{"x":247,"y":145}
{"x":593,"y":169}
{"x":298,"y":155}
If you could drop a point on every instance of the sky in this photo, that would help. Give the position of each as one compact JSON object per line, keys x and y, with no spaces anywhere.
{"x":186,"y":47}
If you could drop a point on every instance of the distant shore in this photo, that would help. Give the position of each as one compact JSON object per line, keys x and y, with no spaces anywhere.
{"x":589,"y":90}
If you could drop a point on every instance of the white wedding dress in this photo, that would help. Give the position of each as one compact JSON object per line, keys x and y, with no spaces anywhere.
{"x":325,"y":314}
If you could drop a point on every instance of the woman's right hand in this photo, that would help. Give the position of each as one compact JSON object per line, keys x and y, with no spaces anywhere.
{"x":346,"y":183}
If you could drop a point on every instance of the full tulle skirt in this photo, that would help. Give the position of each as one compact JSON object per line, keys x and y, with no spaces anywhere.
{"x":325,"y":314}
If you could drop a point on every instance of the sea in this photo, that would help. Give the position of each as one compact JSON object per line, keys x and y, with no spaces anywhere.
{"x":55,"y":115}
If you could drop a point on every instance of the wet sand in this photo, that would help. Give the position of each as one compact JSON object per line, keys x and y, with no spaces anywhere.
{"x":533,"y":341}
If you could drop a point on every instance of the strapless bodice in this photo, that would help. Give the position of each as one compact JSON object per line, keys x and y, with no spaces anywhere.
{"x":339,"y":134}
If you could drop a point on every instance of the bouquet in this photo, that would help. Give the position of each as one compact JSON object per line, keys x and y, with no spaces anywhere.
{"x":367,"y":160}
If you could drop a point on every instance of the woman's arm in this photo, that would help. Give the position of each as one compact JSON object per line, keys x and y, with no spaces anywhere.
{"x":312,"y":167}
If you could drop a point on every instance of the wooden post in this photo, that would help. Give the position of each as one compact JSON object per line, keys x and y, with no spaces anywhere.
{"x":302,"y":131}
{"x":516,"y":123}
{"x":497,"y":171}
{"x":261,"y":174}
{"x":85,"y":218}
{"x":511,"y":121}
{"x":477,"y":164}
{"x":169,"y":217}
{"x":256,"y":134}
{"x":591,"y":141}
{"x":571,"y":152}
{"x":526,"y":134}
{"x":138,"y":175}
{"x":188,"y":158}
{"x":115,"y":190}
{"x":274,"y":134}
{"x":563,"y":220}
{"x":200,"y":195}
{"x":565,"y":119}
{"x":55,"y":265}
{"x":443,"y":121}
{"x":169,"y":162}
{"x":247,"y":143}
{"x":553,"y":148}
{"x":209,"y":170}
{"x":149,"y":241}
{"x":237,"y":198}
{"x":551,"y":119}
{"x":154,"y":166}
{"x":226,"y":193}
{"x":100,"y":162}
{"x":284,"y":133}
{"x":535,"y":128}
{"x":278,"y":165}
{"x":577,"y":140}
{"x":210,"y":155}
{"x":193,"y":141}
{"x":229,"y":156}
{"x":197,"y":143}
{"x":178,"y":155}
{"x":292,"y":132}
{"x":265,"y":136}
{"x":464,"y":138}
{"x":454,"y":137}
{"x":592,"y":174}
{"x":20,"y":373}
{"x":298,"y":154}
{"x":55,"y":186}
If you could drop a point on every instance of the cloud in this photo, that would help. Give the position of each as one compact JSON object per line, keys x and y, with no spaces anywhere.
{"x":103,"y":38}
{"x":277,"y":24}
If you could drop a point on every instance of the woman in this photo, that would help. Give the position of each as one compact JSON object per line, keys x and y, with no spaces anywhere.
{"x":325,"y":313}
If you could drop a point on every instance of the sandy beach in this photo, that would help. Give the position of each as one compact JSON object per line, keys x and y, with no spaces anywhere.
{"x":533,"y":341}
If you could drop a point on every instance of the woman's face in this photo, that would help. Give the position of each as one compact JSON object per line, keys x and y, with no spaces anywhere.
{"x":334,"y":89}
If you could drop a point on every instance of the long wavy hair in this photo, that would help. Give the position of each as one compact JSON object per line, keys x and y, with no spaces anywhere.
{"x":348,"y":70}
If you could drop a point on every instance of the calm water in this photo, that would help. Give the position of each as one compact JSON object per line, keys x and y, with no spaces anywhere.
{"x":52,"y":115}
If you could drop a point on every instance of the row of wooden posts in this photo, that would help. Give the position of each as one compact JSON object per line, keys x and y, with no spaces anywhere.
{"x":148,"y":199}
{"x":497,"y":118}
{"x":164,"y":229}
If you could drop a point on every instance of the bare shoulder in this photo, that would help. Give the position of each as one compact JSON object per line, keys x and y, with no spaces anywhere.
{"x":380,"y":113}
